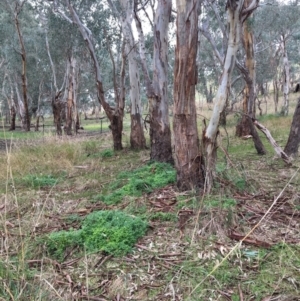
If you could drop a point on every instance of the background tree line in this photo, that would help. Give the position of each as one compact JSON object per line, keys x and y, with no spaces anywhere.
{"x":63,"y":57}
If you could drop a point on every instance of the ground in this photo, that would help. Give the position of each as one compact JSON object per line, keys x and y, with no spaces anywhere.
{"x":241,"y":242}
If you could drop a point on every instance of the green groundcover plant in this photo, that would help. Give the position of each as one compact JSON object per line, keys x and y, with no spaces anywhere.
{"x":137,"y":182}
{"x":112,"y":232}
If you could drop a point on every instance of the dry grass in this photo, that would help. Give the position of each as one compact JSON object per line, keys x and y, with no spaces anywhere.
{"x":189,"y":235}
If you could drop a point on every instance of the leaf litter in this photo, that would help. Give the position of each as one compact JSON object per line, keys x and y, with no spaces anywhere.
{"x":165,"y":265}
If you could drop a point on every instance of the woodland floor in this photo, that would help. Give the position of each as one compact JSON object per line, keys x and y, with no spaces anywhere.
{"x":241,"y":242}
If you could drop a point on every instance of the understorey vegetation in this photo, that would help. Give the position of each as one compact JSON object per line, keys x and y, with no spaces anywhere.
{"x":95,"y":223}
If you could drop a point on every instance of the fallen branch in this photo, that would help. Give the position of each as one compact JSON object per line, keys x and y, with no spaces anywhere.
{"x":248,"y":240}
{"x":279,"y":151}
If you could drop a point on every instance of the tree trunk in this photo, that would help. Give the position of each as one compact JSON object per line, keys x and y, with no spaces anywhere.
{"x":71,"y":97}
{"x":69,"y":100}
{"x":291,"y":148}
{"x":56,"y":108}
{"x":111,"y":113}
{"x":245,"y":127}
{"x":21,"y":108}
{"x":276,"y":95}
{"x":210,"y":137}
{"x":249,"y":90}
{"x":13,"y":114}
{"x":23,"y":74}
{"x":37,"y":124}
{"x":188,"y":159}
{"x":137,"y":138}
{"x":157,"y":89}
{"x":119,"y":88}
{"x":286,"y":79}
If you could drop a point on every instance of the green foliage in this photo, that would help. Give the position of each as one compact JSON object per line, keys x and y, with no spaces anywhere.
{"x":39,"y":181}
{"x":139,"y":181}
{"x":113,"y":232}
{"x":58,"y":242}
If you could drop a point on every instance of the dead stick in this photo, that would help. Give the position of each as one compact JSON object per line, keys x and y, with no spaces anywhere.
{"x":276,"y":147}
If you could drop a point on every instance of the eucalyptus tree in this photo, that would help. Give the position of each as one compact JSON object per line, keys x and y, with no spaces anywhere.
{"x":237,"y":14}
{"x":15,"y":9}
{"x":21,"y":39}
{"x":211,"y":54}
{"x":248,"y":70}
{"x":157,"y":87}
{"x":114,"y":114}
{"x":63,"y":68}
{"x":277,"y":28}
{"x":213,"y":29}
{"x":123,"y":11}
{"x":188,"y":160}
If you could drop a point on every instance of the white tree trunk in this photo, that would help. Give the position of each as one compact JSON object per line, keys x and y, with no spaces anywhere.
{"x":21,"y":108}
{"x":137,"y":139}
{"x":211,"y":132}
{"x":286,"y":79}
{"x":157,"y":89}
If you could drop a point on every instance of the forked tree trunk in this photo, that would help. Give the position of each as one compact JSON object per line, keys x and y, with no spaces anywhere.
{"x":157,"y":89}
{"x":56,"y":100}
{"x":291,"y":148}
{"x":56,"y":108}
{"x":137,"y":138}
{"x":111,"y":113}
{"x":119,"y":88}
{"x":245,"y":126}
{"x":210,"y":137}
{"x":188,"y":159}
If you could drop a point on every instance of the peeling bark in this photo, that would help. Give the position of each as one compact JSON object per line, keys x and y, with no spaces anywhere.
{"x":71,"y":87}
{"x":160,"y":133}
{"x":245,"y":127}
{"x":188,"y":160}
{"x":26,"y":121}
{"x":210,"y":137}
